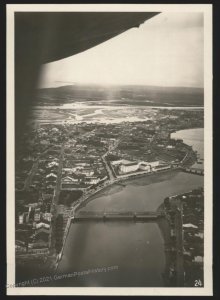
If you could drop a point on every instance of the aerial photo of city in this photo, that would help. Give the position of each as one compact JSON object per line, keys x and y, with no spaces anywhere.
{"x":109,"y":174}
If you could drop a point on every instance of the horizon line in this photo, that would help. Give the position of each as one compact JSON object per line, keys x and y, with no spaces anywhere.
{"x":115,"y":84}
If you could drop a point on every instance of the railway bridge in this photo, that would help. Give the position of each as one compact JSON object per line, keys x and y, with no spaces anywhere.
{"x":116,"y":216}
{"x":193,"y":170}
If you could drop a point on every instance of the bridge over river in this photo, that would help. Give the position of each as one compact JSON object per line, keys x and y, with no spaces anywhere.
{"x":116,"y":216}
{"x":193,"y":170}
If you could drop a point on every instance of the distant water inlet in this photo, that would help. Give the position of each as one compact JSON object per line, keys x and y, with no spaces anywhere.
{"x":194,"y":138}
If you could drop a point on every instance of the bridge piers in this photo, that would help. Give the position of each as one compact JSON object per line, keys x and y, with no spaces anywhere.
{"x":117,"y":216}
{"x":193,"y":171}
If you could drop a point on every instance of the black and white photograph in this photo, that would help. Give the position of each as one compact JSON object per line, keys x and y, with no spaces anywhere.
{"x":109,"y":149}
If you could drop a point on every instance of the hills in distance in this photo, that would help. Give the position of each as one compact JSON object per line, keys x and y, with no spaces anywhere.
{"x":121,"y":95}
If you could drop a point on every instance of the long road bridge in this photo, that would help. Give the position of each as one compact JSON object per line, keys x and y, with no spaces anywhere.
{"x":193,"y":170}
{"x":116,"y":216}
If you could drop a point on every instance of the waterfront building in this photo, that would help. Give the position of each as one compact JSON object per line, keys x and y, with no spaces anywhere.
{"x":161,"y":167}
{"x":116,"y":162}
{"x":120,"y":161}
{"x":129,"y":167}
{"x":144,"y":166}
{"x":154,"y":163}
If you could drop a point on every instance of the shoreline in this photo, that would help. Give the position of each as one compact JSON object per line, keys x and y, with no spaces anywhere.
{"x":126,"y":180}
{"x":85,"y":201}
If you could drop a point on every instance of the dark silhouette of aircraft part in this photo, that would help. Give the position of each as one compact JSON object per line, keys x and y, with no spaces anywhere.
{"x":43,"y":37}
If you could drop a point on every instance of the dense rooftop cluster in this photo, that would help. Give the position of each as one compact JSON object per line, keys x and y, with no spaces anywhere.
{"x":59,"y":164}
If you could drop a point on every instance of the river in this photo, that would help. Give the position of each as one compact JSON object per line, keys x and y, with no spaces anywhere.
{"x":135,"y":249}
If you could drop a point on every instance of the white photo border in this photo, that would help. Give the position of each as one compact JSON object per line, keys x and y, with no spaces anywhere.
{"x":206,"y":9}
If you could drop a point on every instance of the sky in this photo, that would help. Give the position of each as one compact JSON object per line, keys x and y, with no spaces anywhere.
{"x":166,"y":50}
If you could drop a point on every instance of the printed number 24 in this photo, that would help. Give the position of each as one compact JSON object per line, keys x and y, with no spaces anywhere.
{"x":198,"y":283}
